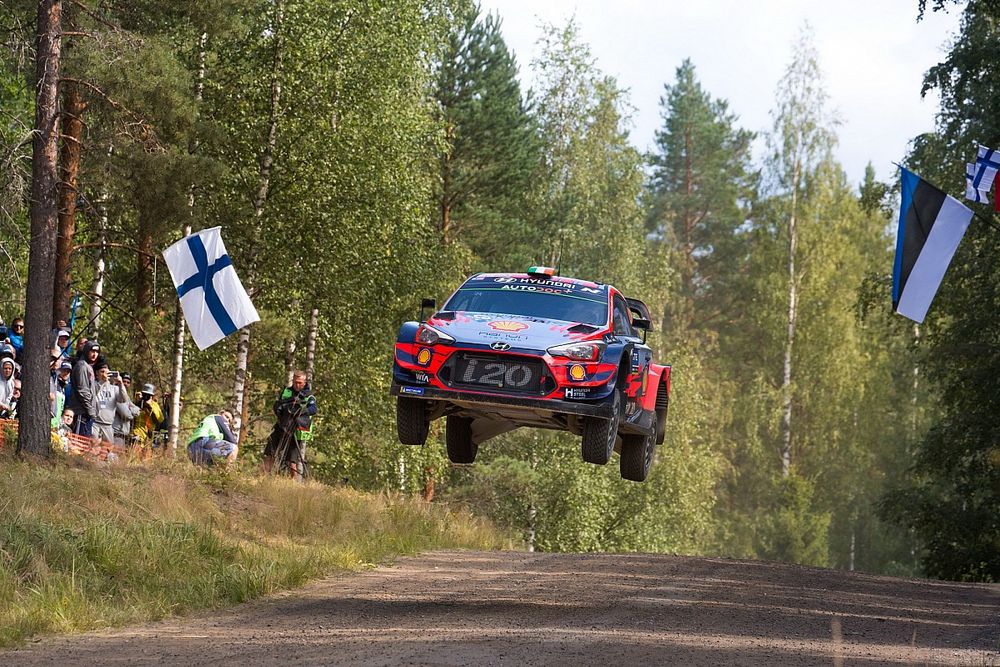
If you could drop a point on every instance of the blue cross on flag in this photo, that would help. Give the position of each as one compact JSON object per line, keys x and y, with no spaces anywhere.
{"x":212,"y":297}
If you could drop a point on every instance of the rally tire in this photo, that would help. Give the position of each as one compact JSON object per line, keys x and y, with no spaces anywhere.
{"x":636,"y":456}
{"x":412,"y":423}
{"x":599,"y":435}
{"x":458,"y":438}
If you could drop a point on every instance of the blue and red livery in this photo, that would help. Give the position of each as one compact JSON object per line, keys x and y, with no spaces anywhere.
{"x":539,"y":350}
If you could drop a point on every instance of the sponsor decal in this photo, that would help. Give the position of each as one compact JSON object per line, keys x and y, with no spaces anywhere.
{"x":494,"y":335}
{"x":631,"y":407}
{"x":635,"y":362}
{"x":424,"y":357}
{"x":422,"y":377}
{"x":418,"y":391}
{"x":577,"y":392}
{"x":577,"y":372}
{"x":508,"y":325}
{"x":500,"y":346}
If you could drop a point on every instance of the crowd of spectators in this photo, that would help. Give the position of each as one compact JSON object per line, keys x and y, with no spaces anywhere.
{"x":92,"y":401}
{"x":87,"y":397}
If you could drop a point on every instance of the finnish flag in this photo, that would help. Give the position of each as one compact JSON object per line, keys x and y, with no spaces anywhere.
{"x":931,"y":225}
{"x":212,"y":297}
{"x":979,"y":176}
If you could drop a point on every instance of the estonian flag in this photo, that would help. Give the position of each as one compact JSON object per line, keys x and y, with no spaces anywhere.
{"x":931,"y":225}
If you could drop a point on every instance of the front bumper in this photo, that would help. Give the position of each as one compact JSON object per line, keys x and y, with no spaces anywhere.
{"x":585,"y":409}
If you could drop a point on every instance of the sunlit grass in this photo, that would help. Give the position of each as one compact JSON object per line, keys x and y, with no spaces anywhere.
{"x":83,"y":547}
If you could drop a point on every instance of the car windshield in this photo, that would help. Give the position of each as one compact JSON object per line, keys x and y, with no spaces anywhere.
{"x":523,"y":300}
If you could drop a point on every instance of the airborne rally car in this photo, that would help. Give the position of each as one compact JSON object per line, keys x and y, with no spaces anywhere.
{"x":534,"y":349}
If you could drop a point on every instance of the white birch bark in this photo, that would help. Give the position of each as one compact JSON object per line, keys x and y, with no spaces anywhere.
{"x":311,"y":344}
{"x":263,"y":184}
{"x":793,"y":302}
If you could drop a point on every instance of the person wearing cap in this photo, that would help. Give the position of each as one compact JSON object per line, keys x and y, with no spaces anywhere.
{"x":82,"y":399}
{"x":125,"y":413}
{"x":62,"y":342}
{"x":7,"y":368}
{"x":213,"y":440}
{"x":150,"y":419}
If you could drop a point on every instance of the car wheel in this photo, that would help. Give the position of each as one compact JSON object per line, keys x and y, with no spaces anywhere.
{"x":458,"y":438}
{"x":637,"y":456}
{"x":599,"y":434}
{"x":412,"y":423}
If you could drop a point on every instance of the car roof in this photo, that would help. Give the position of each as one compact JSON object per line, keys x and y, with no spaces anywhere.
{"x":561,"y":279}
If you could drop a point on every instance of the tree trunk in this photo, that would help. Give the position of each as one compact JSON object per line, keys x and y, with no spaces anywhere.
{"x":263,"y":184}
{"x":289,"y":360}
{"x":35,"y":434}
{"x":72,"y":128}
{"x":99,"y":266}
{"x":311,"y":344}
{"x":793,"y":302}
{"x":143,"y":282}
{"x":178,"y":366}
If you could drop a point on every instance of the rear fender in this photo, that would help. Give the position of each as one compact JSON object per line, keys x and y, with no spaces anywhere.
{"x":658,"y":383}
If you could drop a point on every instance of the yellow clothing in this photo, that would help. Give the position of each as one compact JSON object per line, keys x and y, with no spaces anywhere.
{"x":150,"y":419}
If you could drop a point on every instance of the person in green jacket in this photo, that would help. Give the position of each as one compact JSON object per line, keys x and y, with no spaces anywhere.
{"x":213,"y":440}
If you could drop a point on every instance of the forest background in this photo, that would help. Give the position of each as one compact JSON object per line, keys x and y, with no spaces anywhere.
{"x":361,"y":155}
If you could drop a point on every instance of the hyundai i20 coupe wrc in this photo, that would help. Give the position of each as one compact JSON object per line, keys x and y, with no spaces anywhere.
{"x":539,"y":350}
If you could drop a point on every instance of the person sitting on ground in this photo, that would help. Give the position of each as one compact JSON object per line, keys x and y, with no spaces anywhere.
{"x":7,"y":368}
{"x":213,"y":440}
{"x":125,"y":413}
{"x":82,"y":398}
{"x":295,"y":409}
{"x":150,"y":419}
{"x":108,"y":395}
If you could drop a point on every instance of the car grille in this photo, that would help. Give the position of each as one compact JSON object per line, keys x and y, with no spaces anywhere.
{"x":498,"y":372}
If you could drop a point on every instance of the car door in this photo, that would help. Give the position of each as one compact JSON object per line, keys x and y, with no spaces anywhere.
{"x":640,"y":356}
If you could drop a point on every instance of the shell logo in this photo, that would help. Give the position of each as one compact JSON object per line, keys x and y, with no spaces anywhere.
{"x":507,"y":325}
{"x":424,"y":357}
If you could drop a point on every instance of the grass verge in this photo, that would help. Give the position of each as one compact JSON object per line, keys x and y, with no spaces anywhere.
{"x":83,"y":547}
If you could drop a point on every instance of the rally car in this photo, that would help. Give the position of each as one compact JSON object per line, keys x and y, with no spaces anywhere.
{"x":534,"y":349}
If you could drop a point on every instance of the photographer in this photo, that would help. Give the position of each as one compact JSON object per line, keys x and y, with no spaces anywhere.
{"x":295,"y":409}
{"x":109,"y":396}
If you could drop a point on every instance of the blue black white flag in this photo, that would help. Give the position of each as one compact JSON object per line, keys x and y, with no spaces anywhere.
{"x":212,"y":297}
{"x":931,"y":225}
{"x":979,"y":176}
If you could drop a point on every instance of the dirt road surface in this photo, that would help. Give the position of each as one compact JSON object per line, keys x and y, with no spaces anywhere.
{"x":460,"y":608}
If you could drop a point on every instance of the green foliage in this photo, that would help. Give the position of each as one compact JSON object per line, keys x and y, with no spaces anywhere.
{"x":795,"y":531}
{"x":952,"y":496}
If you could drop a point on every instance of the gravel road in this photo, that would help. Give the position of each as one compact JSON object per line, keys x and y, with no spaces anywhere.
{"x":508,"y":608}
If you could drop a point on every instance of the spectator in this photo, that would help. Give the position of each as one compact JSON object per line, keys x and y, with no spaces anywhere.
{"x":109,"y":395}
{"x":7,"y":367}
{"x":150,"y":419}
{"x":82,"y":399}
{"x":57,"y":387}
{"x":212,"y":440}
{"x":11,"y":411}
{"x":125,"y":413}
{"x":295,"y":409}
{"x":7,"y":351}
{"x":62,"y":342}
{"x":16,"y":337}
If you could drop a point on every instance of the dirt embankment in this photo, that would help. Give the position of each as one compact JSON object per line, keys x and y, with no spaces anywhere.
{"x":457,"y":608}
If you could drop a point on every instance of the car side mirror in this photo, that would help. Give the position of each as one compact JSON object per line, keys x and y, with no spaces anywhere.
{"x":424,"y":305}
{"x":642,"y":325}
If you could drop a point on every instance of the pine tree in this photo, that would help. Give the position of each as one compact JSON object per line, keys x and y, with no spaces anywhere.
{"x":701,"y":186}
{"x":491,"y":147}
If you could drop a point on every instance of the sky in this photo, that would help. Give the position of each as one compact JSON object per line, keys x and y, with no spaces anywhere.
{"x":873,"y":55}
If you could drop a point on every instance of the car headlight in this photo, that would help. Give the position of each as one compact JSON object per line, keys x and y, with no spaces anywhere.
{"x":589,"y":351}
{"x":430,"y":336}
